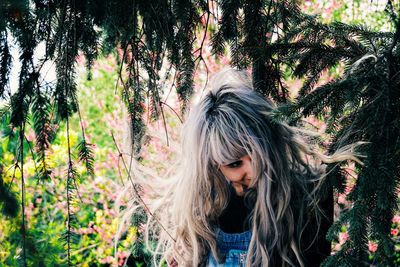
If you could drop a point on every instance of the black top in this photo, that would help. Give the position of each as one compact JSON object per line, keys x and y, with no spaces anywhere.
{"x":235,"y":219}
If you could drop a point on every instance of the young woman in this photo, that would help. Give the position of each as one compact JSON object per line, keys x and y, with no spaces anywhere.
{"x":247,"y":189}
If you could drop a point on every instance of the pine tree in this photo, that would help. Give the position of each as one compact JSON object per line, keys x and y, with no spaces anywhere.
{"x":268,"y":36}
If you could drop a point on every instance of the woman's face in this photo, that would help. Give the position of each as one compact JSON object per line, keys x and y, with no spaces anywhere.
{"x":239,"y":172}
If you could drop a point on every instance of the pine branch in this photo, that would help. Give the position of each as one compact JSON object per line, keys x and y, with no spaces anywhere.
{"x":228,"y":26}
{"x":85,"y":150}
{"x":86,"y":155}
{"x":41,"y":110}
{"x":71,"y":190}
{"x":66,"y":105}
{"x":358,"y":105}
{"x":23,"y":226}
{"x":5,"y":63}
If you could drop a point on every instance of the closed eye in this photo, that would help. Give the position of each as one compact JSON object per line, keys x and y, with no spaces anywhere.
{"x":235,"y":164}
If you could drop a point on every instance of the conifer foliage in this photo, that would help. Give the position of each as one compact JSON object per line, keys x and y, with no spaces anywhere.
{"x":361,"y":106}
{"x":270,"y":37}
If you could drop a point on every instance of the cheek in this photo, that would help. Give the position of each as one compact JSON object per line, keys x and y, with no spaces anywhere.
{"x":231,"y":174}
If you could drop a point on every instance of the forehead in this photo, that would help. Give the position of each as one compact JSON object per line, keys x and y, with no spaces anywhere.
{"x":226,"y":145}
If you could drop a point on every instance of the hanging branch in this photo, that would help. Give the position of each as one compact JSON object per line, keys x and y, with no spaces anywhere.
{"x":70,"y":188}
{"x":44,"y":131}
{"x":136,"y":190}
{"x":173,"y":110}
{"x":21,"y":159}
{"x":5,"y":62}
{"x":66,"y":101}
{"x":85,"y":150}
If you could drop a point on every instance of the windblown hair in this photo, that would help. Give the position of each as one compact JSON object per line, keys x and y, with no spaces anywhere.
{"x":230,"y":121}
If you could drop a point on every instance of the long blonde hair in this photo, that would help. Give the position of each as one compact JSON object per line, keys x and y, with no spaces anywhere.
{"x":230,"y":121}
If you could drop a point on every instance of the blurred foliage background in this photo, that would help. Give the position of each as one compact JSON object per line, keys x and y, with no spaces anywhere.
{"x":69,"y":118}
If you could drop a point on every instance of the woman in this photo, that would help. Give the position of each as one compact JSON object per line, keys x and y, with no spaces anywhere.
{"x":246,"y":193}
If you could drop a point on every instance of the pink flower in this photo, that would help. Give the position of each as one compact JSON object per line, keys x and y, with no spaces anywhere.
{"x":396,"y":219}
{"x":31,"y":135}
{"x":394,"y":232}
{"x":343,"y":237}
{"x":112,"y":213}
{"x":85,"y":231}
{"x":84,"y":124}
{"x":372,"y":246}
{"x":342,"y":199}
{"x":107,"y":259}
{"x":100,"y":103}
{"x":121,"y":255}
{"x":336,"y":247}
{"x":80,"y":59}
{"x":349,"y":188}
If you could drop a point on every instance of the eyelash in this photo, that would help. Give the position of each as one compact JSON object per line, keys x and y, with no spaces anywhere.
{"x":235,"y":164}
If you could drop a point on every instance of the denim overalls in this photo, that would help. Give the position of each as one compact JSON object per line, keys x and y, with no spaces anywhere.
{"x":233,"y":246}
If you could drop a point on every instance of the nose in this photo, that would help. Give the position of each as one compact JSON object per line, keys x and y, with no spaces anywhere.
{"x":245,"y":174}
{"x":247,"y":170}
